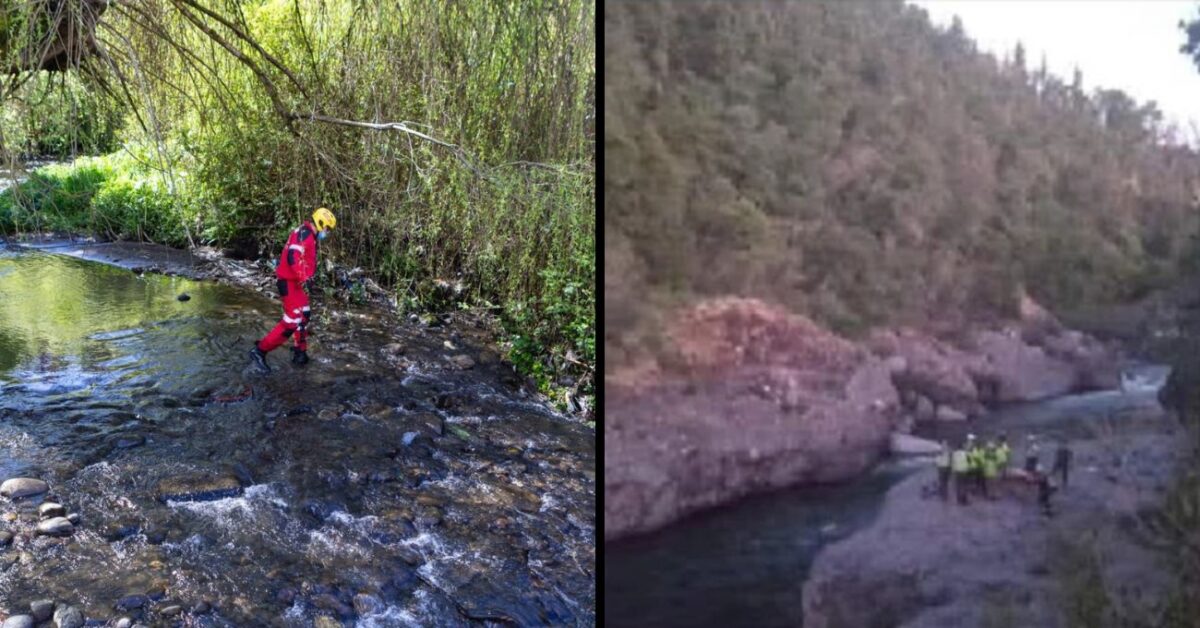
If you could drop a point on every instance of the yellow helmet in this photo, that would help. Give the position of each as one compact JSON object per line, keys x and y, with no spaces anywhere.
{"x":323,"y":219}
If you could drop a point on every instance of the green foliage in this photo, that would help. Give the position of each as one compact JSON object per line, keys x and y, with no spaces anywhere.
{"x":60,"y":115}
{"x":866,"y":168}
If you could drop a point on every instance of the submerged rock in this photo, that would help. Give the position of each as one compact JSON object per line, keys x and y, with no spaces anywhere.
{"x":22,"y":487}
{"x":184,"y":297}
{"x":199,"y":487}
{"x":463,"y":362}
{"x":58,"y":526}
{"x":6,"y":538}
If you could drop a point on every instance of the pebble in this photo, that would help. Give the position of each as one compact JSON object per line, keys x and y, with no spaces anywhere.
{"x":325,"y":621}
{"x":68,"y":617}
{"x":171,"y":611}
{"x":408,"y":438}
{"x":6,"y":538}
{"x":184,"y":297}
{"x":18,"y":621}
{"x":364,"y":604}
{"x":51,"y":509}
{"x":9,"y":516}
{"x":131,"y":602}
{"x":58,"y":526}
{"x":73,"y":518}
{"x":202,"y":608}
{"x":124,"y":622}
{"x":42,"y":609}
{"x":22,"y":487}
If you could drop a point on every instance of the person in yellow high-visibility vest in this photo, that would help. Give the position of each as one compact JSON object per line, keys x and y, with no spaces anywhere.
{"x":989,"y":466}
{"x":960,"y":466}
{"x":975,"y":461}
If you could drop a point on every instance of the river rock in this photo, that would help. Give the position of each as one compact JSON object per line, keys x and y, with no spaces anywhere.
{"x":932,"y":368}
{"x":773,"y":400}
{"x":131,"y":602}
{"x":22,"y":487}
{"x":199,"y":487}
{"x":903,"y":444}
{"x":124,"y":622}
{"x":51,"y":509}
{"x":68,"y":617}
{"x":946,"y":413}
{"x":18,"y":621}
{"x":41,"y":609}
{"x":365,"y":604}
{"x":171,"y":611}
{"x":462,"y":361}
{"x":57,"y":526}
{"x":6,"y":538}
{"x":325,"y":621}
{"x":431,"y":423}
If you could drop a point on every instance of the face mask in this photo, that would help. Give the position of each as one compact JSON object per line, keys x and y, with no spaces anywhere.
{"x":321,"y":235}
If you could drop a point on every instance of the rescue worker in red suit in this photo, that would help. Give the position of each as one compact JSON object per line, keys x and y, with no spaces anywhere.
{"x":297,"y":265}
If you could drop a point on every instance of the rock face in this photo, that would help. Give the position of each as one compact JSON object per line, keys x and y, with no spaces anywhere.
{"x":926,"y":563}
{"x":770,"y":400}
{"x":22,"y":487}
{"x":1020,"y":372}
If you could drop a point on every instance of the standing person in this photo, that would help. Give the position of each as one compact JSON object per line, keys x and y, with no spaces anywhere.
{"x":1031,"y":454}
{"x":960,"y":466}
{"x":989,"y":466}
{"x":1005,"y":453}
{"x":975,"y":461}
{"x":1045,"y":489}
{"x":1062,"y":460}
{"x":297,"y":265}
{"x":943,"y":470}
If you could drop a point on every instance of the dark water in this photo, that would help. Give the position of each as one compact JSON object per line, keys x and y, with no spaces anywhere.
{"x":302,"y":489}
{"x":745,"y":564}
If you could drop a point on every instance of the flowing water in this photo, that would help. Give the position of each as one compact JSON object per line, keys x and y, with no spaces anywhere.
{"x":745,"y":564}
{"x":380,"y":485}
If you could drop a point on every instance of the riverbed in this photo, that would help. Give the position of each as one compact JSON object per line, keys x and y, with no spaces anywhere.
{"x":406,"y":476}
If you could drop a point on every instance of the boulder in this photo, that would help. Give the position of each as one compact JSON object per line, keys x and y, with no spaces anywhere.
{"x":22,"y":487}
{"x":1097,"y":367}
{"x":68,"y":617}
{"x":933,"y":369}
{"x":793,"y":403}
{"x":905,"y":445}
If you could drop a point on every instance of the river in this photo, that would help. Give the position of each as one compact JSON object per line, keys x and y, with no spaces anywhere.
{"x":745,"y":564}
{"x":380,"y":485}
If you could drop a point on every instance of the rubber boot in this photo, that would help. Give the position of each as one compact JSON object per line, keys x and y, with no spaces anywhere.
{"x":299,"y":357}
{"x":260,"y":359}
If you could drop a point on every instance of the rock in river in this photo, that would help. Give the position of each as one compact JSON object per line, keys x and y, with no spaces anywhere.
{"x":50,"y":509}
{"x":6,"y":538}
{"x":68,"y":617}
{"x":58,"y":526}
{"x":18,"y":621}
{"x":22,"y":487}
{"x":199,"y":487}
{"x":41,"y":609}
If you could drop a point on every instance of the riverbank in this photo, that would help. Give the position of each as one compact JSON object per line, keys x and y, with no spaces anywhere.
{"x":924,"y":562}
{"x":757,"y":398}
{"x":404,"y":477}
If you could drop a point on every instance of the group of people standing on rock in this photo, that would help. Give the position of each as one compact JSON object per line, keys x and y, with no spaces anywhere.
{"x":977,"y":467}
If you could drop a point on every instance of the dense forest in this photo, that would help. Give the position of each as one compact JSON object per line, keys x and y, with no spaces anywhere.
{"x":857,"y":164}
{"x":455,"y":142}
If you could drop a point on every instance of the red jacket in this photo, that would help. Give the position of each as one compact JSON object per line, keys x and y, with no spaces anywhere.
{"x":298,"y":262}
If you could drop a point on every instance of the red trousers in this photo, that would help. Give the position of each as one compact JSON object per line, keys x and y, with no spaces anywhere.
{"x":294,"y":322}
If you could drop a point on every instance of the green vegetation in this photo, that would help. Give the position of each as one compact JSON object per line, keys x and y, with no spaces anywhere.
{"x":852,"y":162}
{"x":239,"y":118}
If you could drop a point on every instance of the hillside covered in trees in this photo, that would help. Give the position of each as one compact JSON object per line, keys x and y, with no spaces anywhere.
{"x":857,"y":164}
